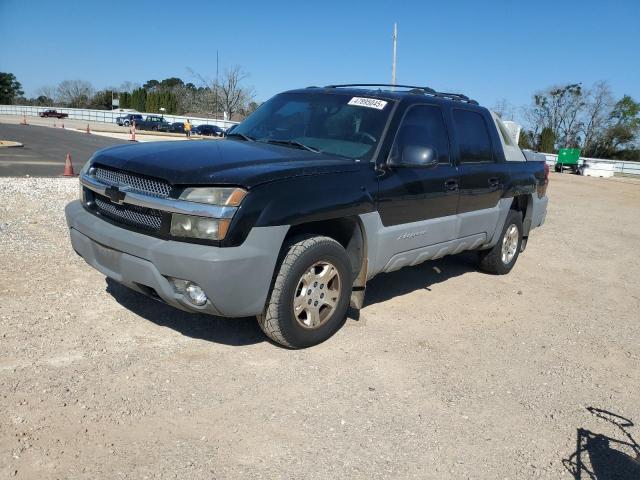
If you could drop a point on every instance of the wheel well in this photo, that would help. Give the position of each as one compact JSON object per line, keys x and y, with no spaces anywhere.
{"x":346,"y":231}
{"x":523,"y":203}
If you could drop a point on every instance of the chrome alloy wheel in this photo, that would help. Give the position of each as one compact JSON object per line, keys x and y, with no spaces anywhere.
{"x":316,"y":295}
{"x":509,"y":244}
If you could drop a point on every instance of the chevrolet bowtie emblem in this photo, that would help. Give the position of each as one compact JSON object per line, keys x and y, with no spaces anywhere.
{"x":115,"y":195}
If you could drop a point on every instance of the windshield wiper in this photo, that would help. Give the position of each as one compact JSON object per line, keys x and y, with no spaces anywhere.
{"x":291,"y":143}
{"x":242,"y":136}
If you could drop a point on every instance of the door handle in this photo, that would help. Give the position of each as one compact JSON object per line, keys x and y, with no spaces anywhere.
{"x":451,"y":185}
{"x":494,"y":182}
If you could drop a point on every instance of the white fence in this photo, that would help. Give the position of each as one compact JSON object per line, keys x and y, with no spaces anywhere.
{"x":105,"y":116}
{"x":619,"y":166}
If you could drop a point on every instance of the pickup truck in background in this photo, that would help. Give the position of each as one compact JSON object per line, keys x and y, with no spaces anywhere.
{"x":128,"y":119}
{"x":152,"y":122}
{"x":312,"y":196}
{"x":53,"y":113}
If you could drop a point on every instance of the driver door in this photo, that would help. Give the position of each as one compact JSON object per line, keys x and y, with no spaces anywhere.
{"x":418,"y":204}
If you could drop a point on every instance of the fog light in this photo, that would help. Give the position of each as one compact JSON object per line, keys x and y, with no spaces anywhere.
{"x":178,"y":284}
{"x":192,"y":291}
{"x":195,"y":294}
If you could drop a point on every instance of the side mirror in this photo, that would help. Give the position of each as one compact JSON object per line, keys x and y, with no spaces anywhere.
{"x":415,"y":156}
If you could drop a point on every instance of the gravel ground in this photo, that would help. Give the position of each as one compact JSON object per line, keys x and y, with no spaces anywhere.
{"x":449,"y":373}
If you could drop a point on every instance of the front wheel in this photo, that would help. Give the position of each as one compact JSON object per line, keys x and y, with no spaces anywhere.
{"x":501,"y":258}
{"x":310,"y":294}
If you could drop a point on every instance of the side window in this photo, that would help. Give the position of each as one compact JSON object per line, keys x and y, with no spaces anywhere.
{"x":423,"y":125}
{"x":473,"y":137}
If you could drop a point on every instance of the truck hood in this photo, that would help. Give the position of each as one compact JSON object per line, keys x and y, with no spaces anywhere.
{"x":209,"y":162}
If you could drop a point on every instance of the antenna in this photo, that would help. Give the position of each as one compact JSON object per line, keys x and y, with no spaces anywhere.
{"x":395,"y":46}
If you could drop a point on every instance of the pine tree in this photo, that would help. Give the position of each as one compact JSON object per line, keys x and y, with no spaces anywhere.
{"x":139,"y":99}
{"x":547,"y":141}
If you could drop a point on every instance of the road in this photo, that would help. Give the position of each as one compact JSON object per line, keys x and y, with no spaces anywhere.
{"x":449,"y":373}
{"x":45,"y":150}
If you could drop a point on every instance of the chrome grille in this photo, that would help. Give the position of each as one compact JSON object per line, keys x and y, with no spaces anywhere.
{"x":136,"y":183}
{"x":144,"y":218}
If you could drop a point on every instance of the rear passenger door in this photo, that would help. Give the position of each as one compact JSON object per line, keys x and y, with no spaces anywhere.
{"x":419,"y":203}
{"x":483,"y":173}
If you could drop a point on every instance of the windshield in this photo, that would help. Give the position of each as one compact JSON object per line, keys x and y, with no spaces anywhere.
{"x":336,"y":124}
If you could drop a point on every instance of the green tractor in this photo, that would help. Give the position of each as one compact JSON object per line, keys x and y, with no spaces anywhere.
{"x":569,"y":158}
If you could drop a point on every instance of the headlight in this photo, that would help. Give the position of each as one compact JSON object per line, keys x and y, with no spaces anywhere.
{"x":204,"y":227}
{"x":214,"y":195}
{"x":198,"y":227}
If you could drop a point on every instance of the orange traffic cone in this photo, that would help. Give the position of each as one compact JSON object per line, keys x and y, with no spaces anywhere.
{"x":24,"y":120}
{"x":68,"y":167}
{"x":132,"y":134}
{"x":62,"y":124}
{"x":88,"y":129}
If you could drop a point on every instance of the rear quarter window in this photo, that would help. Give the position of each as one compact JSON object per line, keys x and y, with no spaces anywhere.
{"x":473,"y":137}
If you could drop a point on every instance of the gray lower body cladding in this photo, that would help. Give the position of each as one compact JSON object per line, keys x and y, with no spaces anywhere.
{"x":235,"y":279}
{"x":393,"y":247}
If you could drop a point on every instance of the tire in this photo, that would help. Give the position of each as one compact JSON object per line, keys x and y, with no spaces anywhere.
{"x":298,"y":287}
{"x":500,"y":259}
{"x":126,"y":123}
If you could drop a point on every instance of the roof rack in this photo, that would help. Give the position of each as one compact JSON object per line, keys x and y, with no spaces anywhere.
{"x":413,"y":89}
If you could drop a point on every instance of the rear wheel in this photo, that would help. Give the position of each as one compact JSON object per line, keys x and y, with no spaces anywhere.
{"x":501,"y":258}
{"x":310,"y":294}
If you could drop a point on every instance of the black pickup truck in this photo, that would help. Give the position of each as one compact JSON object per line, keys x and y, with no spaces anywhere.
{"x":152,"y":122}
{"x":310,"y":197}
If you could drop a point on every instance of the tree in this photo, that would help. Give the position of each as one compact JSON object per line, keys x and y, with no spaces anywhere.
{"x":169,"y":83}
{"x":526,"y":140}
{"x":232,"y":95}
{"x":124,"y":100}
{"x":49,"y":92}
{"x":44,"y":101}
{"x":623,"y":130}
{"x":102,"y":100}
{"x":547,"y":141}
{"x":597,"y":116}
{"x":151,"y":85}
{"x":156,"y":101}
{"x":139,"y":99}
{"x":558,"y":108}
{"x":10,"y":88}
{"x":74,"y":93}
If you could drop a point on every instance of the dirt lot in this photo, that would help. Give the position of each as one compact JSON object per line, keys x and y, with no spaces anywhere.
{"x":449,"y":373}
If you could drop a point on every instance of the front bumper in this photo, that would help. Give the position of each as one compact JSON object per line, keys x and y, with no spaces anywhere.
{"x":235,"y":279}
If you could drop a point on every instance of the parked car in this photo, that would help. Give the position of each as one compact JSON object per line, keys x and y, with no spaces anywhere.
{"x":309,"y":198}
{"x":175,"y":127}
{"x":208,"y":130}
{"x":53,"y":113}
{"x":152,"y":122}
{"x":128,"y":119}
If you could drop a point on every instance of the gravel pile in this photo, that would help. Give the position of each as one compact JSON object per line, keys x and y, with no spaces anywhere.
{"x":32,"y":212}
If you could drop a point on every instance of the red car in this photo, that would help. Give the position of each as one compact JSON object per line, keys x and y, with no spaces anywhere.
{"x":53,"y":113}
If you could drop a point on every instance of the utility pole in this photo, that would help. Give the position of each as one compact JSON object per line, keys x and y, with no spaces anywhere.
{"x":215,"y":93}
{"x":395,"y":45}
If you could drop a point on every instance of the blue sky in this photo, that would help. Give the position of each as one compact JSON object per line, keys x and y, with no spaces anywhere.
{"x":489,"y":50}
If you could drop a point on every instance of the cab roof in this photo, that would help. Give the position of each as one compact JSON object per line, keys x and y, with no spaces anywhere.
{"x":389,"y":92}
